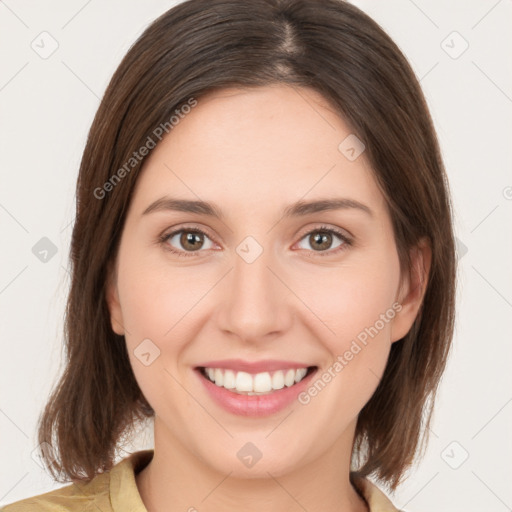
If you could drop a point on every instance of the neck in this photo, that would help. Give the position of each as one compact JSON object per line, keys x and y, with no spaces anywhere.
{"x":177,"y":480}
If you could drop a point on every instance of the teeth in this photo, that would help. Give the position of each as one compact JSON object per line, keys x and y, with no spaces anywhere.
{"x":229,"y":379}
{"x":219,"y":377}
{"x":289,"y":378}
{"x":300,"y":374}
{"x":243,"y":381}
{"x":260,"y":383}
{"x":278,"y":380}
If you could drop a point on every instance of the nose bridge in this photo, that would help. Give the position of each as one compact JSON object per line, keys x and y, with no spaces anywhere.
{"x":255,"y":305}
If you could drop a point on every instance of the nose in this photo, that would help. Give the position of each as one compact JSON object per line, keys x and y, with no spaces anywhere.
{"x":256,"y":304}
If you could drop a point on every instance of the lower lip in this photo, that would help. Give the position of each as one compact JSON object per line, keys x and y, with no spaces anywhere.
{"x":254,"y":405}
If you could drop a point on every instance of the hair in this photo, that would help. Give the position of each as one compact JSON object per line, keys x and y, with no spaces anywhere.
{"x":200,"y":46}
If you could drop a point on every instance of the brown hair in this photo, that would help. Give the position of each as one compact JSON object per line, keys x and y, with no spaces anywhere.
{"x":200,"y":46}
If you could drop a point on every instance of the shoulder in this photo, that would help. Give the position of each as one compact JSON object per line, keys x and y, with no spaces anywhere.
{"x":115,"y":489}
{"x":77,"y":496}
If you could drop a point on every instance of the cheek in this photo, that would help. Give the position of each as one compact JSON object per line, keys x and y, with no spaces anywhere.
{"x":163,"y":309}
{"x":157,"y":307}
{"x":355,"y":305}
{"x":351,"y":299}
{"x":358,"y":309}
{"x":154,"y":297}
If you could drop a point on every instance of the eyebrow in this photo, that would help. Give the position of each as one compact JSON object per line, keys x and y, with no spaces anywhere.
{"x":297,"y":209}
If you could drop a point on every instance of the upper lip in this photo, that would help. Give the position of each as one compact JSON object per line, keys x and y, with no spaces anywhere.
{"x":267,"y":365}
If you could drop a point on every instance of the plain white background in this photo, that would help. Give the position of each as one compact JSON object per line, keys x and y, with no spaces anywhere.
{"x":460,"y":50}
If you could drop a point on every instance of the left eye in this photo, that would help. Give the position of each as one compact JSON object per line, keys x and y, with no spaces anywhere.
{"x":323,"y":239}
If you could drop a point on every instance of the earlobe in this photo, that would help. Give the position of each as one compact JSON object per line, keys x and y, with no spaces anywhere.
{"x":113,"y":303}
{"x":412,"y":290}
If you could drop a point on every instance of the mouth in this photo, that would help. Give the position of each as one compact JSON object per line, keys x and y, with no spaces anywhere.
{"x":255,"y":384}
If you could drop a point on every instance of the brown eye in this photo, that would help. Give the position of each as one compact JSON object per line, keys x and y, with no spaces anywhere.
{"x":191,"y":240}
{"x":321,"y":241}
{"x":186,"y":241}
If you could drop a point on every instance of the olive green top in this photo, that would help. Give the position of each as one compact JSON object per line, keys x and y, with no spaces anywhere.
{"x":116,"y":491}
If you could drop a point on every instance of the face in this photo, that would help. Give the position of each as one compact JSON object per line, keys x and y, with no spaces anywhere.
{"x":263,"y":294}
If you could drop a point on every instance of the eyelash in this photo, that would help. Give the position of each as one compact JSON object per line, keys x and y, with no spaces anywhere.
{"x":163,"y":239}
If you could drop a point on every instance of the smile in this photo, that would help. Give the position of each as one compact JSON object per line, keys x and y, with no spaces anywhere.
{"x":263,"y":383}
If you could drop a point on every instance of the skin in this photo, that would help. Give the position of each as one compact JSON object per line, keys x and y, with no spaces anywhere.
{"x":253,"y":152}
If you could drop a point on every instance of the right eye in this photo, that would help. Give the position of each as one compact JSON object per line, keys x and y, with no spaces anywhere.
{"x":190,"y":240}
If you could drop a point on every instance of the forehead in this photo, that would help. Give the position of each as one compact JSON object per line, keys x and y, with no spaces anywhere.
{"x":260,"y":147}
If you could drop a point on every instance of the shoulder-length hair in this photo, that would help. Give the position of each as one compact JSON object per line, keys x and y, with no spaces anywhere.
{"x":200,"y":46}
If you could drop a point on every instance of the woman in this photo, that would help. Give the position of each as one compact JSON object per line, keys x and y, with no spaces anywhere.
{"x":262,"y":261}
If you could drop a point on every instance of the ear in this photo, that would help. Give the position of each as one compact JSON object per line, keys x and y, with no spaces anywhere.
{"x":412,"y":290}
{"x":112,"y":298}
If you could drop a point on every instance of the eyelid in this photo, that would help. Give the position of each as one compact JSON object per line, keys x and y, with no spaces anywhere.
{"x":344,"y":233}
